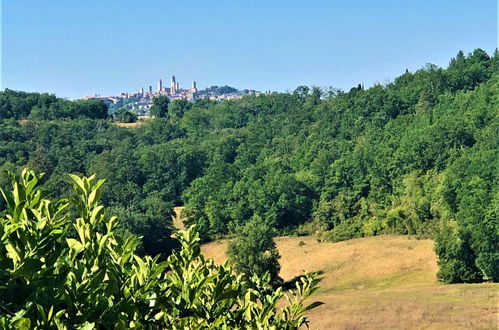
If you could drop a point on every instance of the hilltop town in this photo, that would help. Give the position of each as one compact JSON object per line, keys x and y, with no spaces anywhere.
{"x":142,"y":100}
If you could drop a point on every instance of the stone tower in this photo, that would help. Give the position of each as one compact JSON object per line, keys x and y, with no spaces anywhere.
{"x":173,"y":86}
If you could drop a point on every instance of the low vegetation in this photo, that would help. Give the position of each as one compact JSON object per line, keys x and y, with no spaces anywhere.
{"x":52,"y":278}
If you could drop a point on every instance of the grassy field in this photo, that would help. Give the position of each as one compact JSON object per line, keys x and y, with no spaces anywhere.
{"x":129,"y":125}
{"x":140,"y":121}
{"x":384,"y":282}
{"x":178,"y":223}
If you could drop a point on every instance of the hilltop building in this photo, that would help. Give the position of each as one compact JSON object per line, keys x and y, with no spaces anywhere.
{"x":141,"y":101}
{"x":173,"y":86}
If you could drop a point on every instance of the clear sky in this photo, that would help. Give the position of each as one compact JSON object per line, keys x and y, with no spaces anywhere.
{"x":84,"y":47}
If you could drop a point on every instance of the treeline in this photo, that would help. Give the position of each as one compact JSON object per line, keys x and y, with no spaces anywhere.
{"x":23,"y":105}
{"x":417,"y":156}
{"x":219,"y":90}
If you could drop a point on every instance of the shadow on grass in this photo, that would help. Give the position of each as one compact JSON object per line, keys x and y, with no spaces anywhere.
{"x":291,"y":284}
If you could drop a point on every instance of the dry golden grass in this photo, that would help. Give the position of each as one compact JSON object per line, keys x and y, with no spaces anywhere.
{"x":178,"y":221}
{"x":140,"y":121}
{"x":129,"y":125}
{"x":381,"y":283}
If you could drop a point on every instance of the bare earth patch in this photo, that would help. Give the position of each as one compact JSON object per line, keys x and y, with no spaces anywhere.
{"x":381,"y":283}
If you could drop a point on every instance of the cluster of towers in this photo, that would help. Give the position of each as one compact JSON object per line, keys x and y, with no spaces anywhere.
{"x":174,"y":88}
{"x":144,"y":99}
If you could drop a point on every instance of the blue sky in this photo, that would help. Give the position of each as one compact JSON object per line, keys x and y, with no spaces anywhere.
{"x":84,"y":47}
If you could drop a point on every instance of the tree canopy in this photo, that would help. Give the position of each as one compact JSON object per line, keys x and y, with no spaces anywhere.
{"x":253,"y":251}
{"x":159,"y":107}
{"x":416,"y":156}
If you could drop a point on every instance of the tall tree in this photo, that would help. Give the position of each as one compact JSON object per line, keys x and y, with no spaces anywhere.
{"x":160,"y":106}
{"x":254,"y":251}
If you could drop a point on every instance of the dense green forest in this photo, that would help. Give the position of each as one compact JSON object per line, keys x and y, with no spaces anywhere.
{"x":417,"y":156}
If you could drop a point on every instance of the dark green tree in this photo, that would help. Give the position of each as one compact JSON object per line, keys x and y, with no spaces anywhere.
{"x":178,"y":108}
{"x":124,"y":116}
{"x":254,"y":252}
{"x":160,"y":106}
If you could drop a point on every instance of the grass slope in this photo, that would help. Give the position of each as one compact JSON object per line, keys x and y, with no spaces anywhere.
{"x":380,"y":283}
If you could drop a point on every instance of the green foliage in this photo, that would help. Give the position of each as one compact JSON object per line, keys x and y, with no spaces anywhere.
{"x":417,"y":207}
{"x":21,"y":105}
{"x":219,"y":90}
{"x":178,"y":108}
{"x":50,"y":280}
{"x":342,"y":232}
{"x":456,"y":258}
{"x":253,"y":252}
{"x":159,"y":107}
{"x":124,"y":116}
{"x":409,"y":157}
{"x":467,"y":247}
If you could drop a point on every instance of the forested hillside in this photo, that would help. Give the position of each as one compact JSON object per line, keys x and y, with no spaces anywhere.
{"x":417,"y":156}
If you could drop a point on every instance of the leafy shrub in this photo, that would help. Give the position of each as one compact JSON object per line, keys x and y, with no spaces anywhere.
{"x":456,"y":259}
{"x":373,"y":226}
{"x":253,"y":251}
{"x":343,"y":232}
{"x":124,"y":116}
{"x":49,"y":280}
{"x":467,"y":248}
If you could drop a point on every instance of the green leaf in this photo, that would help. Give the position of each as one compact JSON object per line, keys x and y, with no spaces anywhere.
{"x":79,"y":182}
{"x":29,"y":267}
{"x":96,"y":212}
{"x":91,"y":198}
{"x":75,"y":245}
{"x":314,"y":305}
{"x":22,"y":323}
{"x":229,"y":294}
{"x":87,"y":326}
{"x":41,"y":313}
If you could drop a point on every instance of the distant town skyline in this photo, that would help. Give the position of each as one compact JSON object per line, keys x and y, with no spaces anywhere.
{"x":142,"y":100}
{"x":172,"y":90}
{"x":78,"y":48}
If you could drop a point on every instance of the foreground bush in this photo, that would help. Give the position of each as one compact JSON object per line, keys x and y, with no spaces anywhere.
{"x":95,"y":280}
